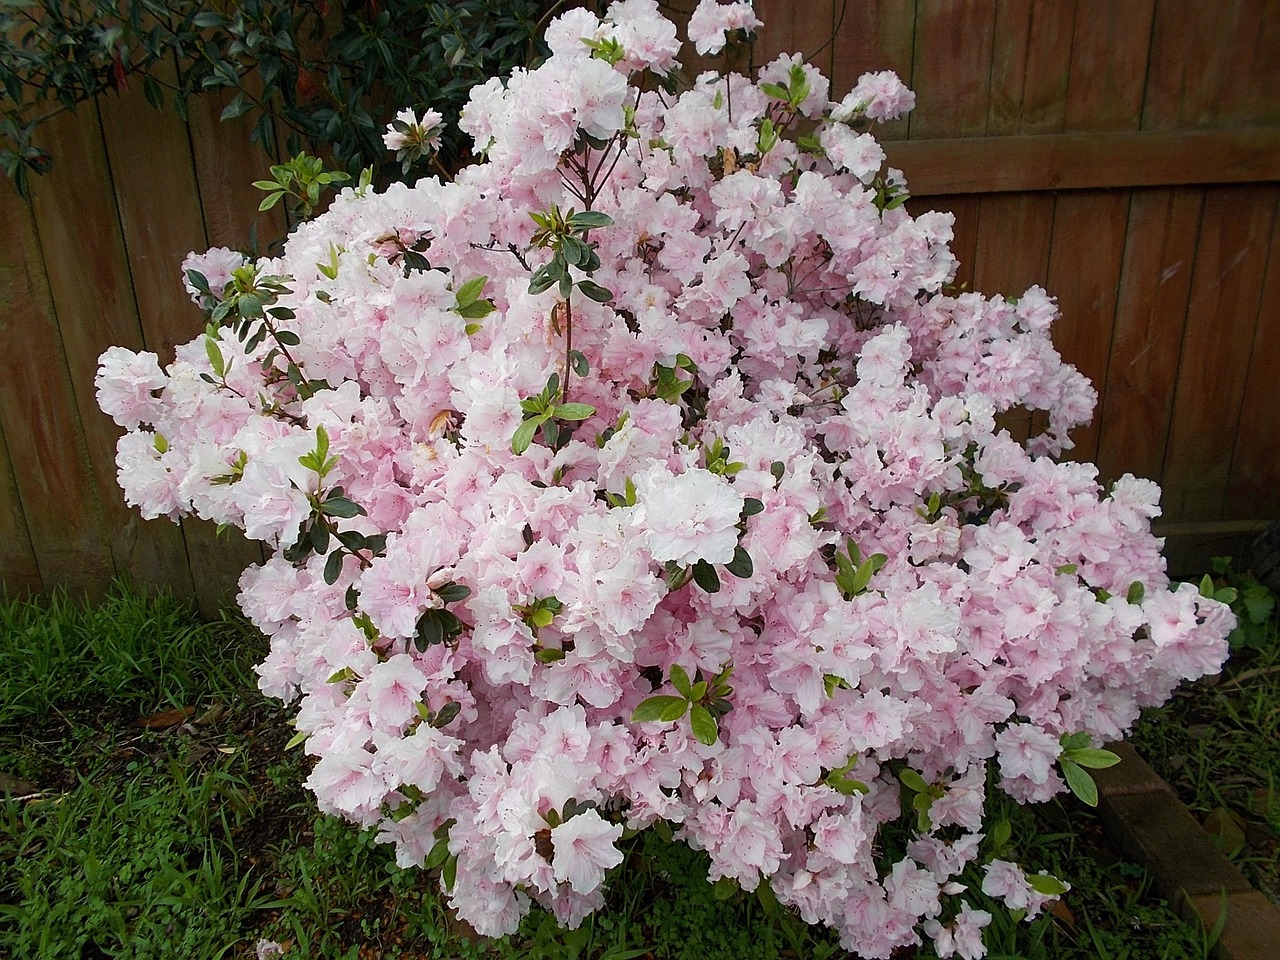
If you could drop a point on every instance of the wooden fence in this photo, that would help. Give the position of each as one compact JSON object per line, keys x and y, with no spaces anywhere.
{"x":1124,"y":155}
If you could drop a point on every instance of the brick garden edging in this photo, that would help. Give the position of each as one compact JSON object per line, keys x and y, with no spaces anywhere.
{"x":1150,"y":825}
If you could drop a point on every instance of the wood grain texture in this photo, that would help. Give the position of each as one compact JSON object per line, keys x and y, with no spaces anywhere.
{"x":1253,"y":487}
{"x":793,"y":28}
{"x":55,"y":482}
{"x":1086,"y":257}
{"x":90,"y":283}
{"x":1155,"y":281}
{"x":873,"y":35}
{"x":1229,"y":81}
{"x":952,"y":68}
{"x":1030,"y":66}
{"x":1231,"y":256}
{"x":19,"y":572}
{"x":1108,"y":65}
{"x":162,"y":221}
{"x":1086,"y":161}
{"x":226,"y":165}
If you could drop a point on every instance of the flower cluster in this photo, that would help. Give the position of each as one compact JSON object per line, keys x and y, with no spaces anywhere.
{"x":648,"y":475}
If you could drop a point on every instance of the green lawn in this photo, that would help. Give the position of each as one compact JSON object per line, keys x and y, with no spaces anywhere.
{"x":152,"y":810}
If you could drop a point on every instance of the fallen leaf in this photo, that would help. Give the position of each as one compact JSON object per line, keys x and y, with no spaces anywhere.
{"x":227,"y":750}
{"x":165,"y":718}
{"x":1062,"y":912}
{"x":11,"y":784}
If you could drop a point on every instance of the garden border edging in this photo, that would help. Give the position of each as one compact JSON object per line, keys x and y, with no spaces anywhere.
{"x":1146,"y":820}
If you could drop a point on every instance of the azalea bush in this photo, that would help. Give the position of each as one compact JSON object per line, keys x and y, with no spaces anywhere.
{"x":647,"y":477}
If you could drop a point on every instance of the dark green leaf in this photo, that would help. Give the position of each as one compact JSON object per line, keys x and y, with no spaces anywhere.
{"x":596,"y":292}
{"x":430,"y":629}
{"x":578,"y":362}
{"x":590,"y":219}
{"x":740,"y":566}
{"x":704,"y":575}
{"x":445,"y":715}
{"x":341,"y":507}
{"x":453,"y":592}
{"x":333,"y":567}
{"x":751,"y":506}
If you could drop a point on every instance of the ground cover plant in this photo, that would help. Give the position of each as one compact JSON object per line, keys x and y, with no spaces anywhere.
{"x":192,"y":837}
{"x":646,"y":478}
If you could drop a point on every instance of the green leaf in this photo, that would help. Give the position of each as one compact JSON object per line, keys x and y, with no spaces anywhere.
{"x":704,"y":575}
{"x":574,"y":411}
{"x":740,"y":566}
{"x":659,"y":708}
{"x":777,"y":91}
{"x":590,"y":219}
{"x":449,"y":873}
{"x":453,"y":592}
{"x":214,"y":353}
{"x":438,"y":855}
{"x":1093,"y":758}
{"x":446,"y":714}
{"x":1047,"y":885}
{"x":680,"y":680}
{"x":341,"y":507}
{"x":430,"y":629}
{"x":912,"y":780}
{"x":578,"y":363}
{"x":1136,"y":592}
{"x":751,"y":506}
{"x":333,"y":567}
{"x":1079,"y":781}
{"x":596,"y":292}
{"x":704,"y":724}
{"x":524,"y":435}
{"x":549,"y":655}
{"x":470,"y":291}
{"x":296,"y":740}
{"x":475,"y":311}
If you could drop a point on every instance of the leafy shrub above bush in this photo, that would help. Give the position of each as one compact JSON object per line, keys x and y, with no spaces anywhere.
{"x":329,"y":77}
{"x":647,"y":476}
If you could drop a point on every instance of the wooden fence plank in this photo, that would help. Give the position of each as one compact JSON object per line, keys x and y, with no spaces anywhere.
{"x":1253,"y":488}
{"x":1087,"y":161}
{"x":1235,"y":231}
{"x":873,"y":35}
{"x":1227,"y":82}
{"x":162,"y":221}
{"x":787,"y":30}
{"x":226,"y":166}
{"x":88,"y":269}
{"x":19,"y":572}
{"x":1108,"y":64}
{"x":58,"y":490}
{"x":951,"y":74}
{"x":1084,"y":272}
{"x":1159,"y":255}
{"x":1030,"y":66}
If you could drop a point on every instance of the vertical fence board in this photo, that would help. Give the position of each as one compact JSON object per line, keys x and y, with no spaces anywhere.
{"x":161,"y":220}
{"x":37,"y":413}
{"x":226,"y":165}
{"x":1084,"y":272}
{"x":1108,"y":64}
{"x":1030,"y":66}
{"x":871,"y":36}
{"x":787,"y":30}
{"x":952,"y":68}
{"x":19,"y":572}
{"x":1253,"y":488}
{"x":1234,"y":233}
{"x":1159,"y":256}
{"x":88,"y":269}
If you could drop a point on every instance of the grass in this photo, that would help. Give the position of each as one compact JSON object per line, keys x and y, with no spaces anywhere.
{"x":1217,"y":742}
{"x":152,"y":811}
